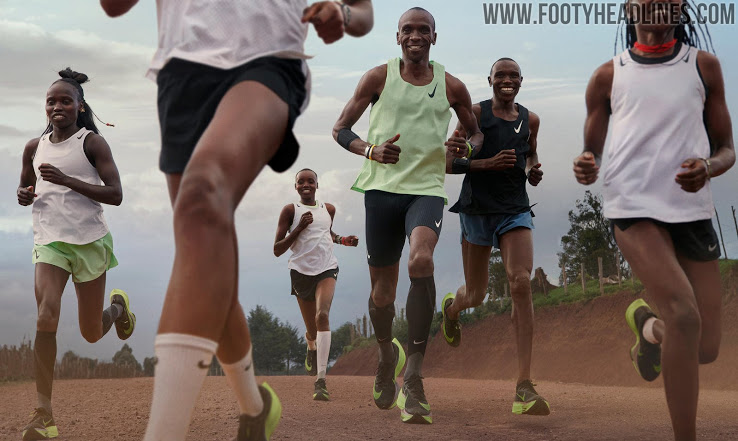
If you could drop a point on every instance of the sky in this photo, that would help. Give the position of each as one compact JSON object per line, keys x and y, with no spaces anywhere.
{"x":39,"y":38}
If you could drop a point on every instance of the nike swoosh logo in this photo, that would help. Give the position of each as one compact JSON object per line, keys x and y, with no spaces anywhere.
{"x":201,"y":364}
{"x":376,"y":394}
{"x":335,"y":275}
{"x":657,"y":368}
{"x":438,"y":224}
{"x":519,"y":126}
{"x":710,"y":248}
{"x":46,"y":423}
{"x":418,"y":342}
{"x":522,"y":397}
{"x":434,"y":91}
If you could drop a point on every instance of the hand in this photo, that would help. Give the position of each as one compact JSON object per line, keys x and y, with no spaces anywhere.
{"x":49,"y":173}
{"x":327,"y":17}
{"x":26,"y":195}
{"x":535,"y":174}
{"x":387,"y":152}
{"x":694,"y":177}
{"x":503,"y":160}
{"x":305,"y":220}
{"x":350,"y":241}
{"x":586,"y":168}
{"x":456,"y":145}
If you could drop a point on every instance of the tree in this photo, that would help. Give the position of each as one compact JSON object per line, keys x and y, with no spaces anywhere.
{"x":296,"y":346}
{"x":125,"y":357}
{"x":148,"y":366}
{"x":268,"y":341}
{"x":589,"y":237}
{"x":340,"y":338}
{"x":497,"y":275}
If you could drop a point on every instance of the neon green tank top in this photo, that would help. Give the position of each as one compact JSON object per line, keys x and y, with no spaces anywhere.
{"x":420,"y":114}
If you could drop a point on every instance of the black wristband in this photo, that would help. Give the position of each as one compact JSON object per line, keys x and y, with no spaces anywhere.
{"x":460,"y":165}
{"x":345,"y":137}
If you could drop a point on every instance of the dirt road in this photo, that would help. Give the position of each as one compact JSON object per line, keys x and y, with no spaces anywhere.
{"x":462,"y":410}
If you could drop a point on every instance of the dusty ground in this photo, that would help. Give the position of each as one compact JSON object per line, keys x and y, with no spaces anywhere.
{"x":578,"y":343}
{"x":462,"y":410}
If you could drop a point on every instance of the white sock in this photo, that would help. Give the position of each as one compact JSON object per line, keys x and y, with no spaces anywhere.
{"x":240,"y":376}
{"x":324,"y":347}
{"x":183,"y":362}
{"x":311,"y":343}
{"x":648,"y":331}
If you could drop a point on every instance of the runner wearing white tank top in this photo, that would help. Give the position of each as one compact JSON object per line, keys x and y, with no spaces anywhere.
{"x":67,"y":174}
{"x":231,"y":81}
{"x":671,"y":134}
{"x":313,"y":269}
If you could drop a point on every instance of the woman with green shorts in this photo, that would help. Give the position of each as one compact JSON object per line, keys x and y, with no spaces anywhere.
{"x":67,"y":174}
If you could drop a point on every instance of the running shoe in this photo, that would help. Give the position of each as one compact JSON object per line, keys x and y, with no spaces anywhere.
{"x":451,"y":328}
{"x":42,"y":426}
{"x":528,"y":402}
{"x":385,"y":388}
{"x":262,"y":426}
{"x":126,"y":322}
{"x":321,"y":391}
{"x":311,"y":362}
{"x":414,"y":407}
{"x":646,"y":356}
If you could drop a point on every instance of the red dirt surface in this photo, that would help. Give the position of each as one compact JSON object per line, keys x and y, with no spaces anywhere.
{"x":462,"y":410}
{"x":577,"y":343}
{"x":580,"y":360}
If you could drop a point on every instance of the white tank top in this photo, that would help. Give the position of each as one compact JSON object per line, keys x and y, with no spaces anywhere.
{"x":657,"y":111}
{"x":60,"y":214}
{"x":228,"y":33}
{"x":312,"y":251}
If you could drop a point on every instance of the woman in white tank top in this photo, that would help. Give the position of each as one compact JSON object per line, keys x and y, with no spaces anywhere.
{"x":671,"y":134}
{"x":313,"y":269}
{"x":67,"y":174}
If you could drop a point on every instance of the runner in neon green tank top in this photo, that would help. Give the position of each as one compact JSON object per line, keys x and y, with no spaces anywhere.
{"x":402,"y":181}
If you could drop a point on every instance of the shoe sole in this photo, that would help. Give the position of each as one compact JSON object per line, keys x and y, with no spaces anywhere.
{"x":275,"y":412}
{"x":537,"y":407}
{"x":321,"y":397}
{"x":122,"y":334}
{"x":51,"y":432}
{"x":411,"y":418}
{"x":630,"y":318}
{"x":452,"y":342}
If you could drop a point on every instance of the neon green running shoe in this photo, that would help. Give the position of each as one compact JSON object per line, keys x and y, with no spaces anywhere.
{"x":528,"y":402}
{"x":646,"y":356}
{"x":42,"y":426}
{"x":321,"y":391}
{"x":414,"y":407}
{"x":126,"y":322}
{"x":311,"y":362}
{"x":385,"y":388}
{"x":262,"y":426}
{"x":451,"y":328}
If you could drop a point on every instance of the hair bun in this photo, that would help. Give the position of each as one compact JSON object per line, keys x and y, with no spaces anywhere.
{"x":72,"y":75}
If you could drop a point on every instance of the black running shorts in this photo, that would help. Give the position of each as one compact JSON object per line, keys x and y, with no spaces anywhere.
{"x":303,"y":287}
{"x":189,"y":94}
{"x":390,"y":217}
{"x":695,"y":240}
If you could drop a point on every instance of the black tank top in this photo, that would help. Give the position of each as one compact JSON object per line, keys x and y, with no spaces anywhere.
{"x":498,"y":192}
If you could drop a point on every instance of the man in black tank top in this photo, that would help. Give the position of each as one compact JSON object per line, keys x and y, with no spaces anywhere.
{"x":495,"y":212}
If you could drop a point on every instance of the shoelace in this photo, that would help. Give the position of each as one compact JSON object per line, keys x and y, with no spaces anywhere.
{"x":415,"y":388}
